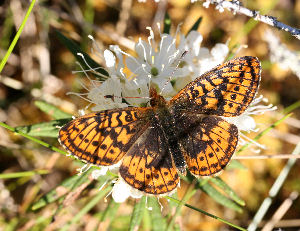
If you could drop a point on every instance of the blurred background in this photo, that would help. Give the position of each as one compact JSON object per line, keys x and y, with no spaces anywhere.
{"x":40,"y":68}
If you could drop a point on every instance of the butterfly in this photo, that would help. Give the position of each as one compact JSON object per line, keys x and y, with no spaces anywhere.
{"x":157,"y":143}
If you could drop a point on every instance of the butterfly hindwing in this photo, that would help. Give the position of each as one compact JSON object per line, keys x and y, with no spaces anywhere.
{"x":148,"y":165}
{"x":103,"y":138}
{"x":226,"y":90}
{"x":208,"y":145}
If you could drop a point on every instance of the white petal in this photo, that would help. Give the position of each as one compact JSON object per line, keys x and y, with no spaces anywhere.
{"x":194,"y":40}
{"x":99,"y":172}
{"x":121,"y":191}
{"x":220,"y":51}
{"x":243,"y":122}
{"x":134,"y":193}
{"x":110,"y":59}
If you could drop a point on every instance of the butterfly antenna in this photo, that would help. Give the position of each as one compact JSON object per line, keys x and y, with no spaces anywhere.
{"x":173,"y":72}
{"x":112,"y":97}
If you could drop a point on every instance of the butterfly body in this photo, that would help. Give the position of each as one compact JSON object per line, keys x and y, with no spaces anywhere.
{"x":164,"y":120}
{"x":154,"y":143}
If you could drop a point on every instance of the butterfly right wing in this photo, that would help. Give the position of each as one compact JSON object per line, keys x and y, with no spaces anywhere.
{"x":227,"y":90}
{"x":104,"y":137}
{"x":208,"y":142}
{"x":148,"y":166}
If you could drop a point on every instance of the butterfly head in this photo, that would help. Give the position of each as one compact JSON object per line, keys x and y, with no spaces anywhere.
{"x":155,"y":98}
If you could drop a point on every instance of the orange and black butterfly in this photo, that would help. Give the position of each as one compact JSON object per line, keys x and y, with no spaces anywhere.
{"x":154,"y":144}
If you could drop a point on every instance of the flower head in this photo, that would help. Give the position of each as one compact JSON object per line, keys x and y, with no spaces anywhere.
{"x":156,"y":63}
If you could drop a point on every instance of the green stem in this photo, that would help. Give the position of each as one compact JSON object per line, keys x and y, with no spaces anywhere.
{"x":188,"y":194}
{"x":13,"y":43}
{"x":33,"y":139}
{"x":207,"y":214}
{"x":23,"y":174}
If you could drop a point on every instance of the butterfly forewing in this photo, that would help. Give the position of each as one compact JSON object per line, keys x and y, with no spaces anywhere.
{"x":104,"y":137}
{"x":148,"y":165}
{"x":226,"y":90}
{"x":209,"y":145}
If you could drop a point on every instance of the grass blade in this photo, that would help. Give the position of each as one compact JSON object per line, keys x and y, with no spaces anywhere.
{"x":158,"y":222}
{"x":235,"y":164}
{"x":196,"y":24}
{"x":189,"y":193}
{"x":19,"y":32}
{"x":108,"y":215}
{"x":23,"y":174}
{"x":52,"y":110}
{"x":225,"y":187}
{"x":208,"y":214}
{"x":219,"y":197}
{"x":69,"y":184}
{"x":137,"y":215}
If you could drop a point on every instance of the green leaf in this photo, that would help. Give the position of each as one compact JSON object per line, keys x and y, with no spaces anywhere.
{"x":55,"y":149}
{"x":218,"y":197}
{"x":62,"y":189}
{"x":23,"y":174}
{"x":188,"y":194}
{"x":146,"y":219}
{"x":196,"y":25}
{"x":235,"y":164}
{"x":225,"y":187}
{"x":75,"y":49}
{"x":46,"y":129}
{"x":110,"y":212}
{"x":167,"y":24}
{"x":158,"y":222}
{"x":52,"y":110}
{"x":137,"y":215}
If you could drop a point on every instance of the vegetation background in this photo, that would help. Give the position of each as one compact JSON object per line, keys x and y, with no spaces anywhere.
{"x":40,"y":69}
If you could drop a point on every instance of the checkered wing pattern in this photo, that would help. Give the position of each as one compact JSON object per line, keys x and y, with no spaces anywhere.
{"x":226,"y":90}
{"x":103,"y":138}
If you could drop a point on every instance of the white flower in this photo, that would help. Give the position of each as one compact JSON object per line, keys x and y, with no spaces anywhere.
{"x":98,"y":95}
{"x":103,"y":170}
{"x":121,"y":191}
{"x":157,"y":63}
{"x":199,"y":59}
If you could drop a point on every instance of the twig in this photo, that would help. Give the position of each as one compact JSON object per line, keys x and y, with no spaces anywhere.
{"x":236,"y":7}
{"x":280,"y":212}
{"x":261,"y":157}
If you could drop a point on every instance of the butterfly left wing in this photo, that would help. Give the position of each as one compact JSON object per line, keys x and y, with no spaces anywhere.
{"x":226,"y":90}
{"x":208,"y":142}
{"x":148,"y":165}
{"x":104,"y":137}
